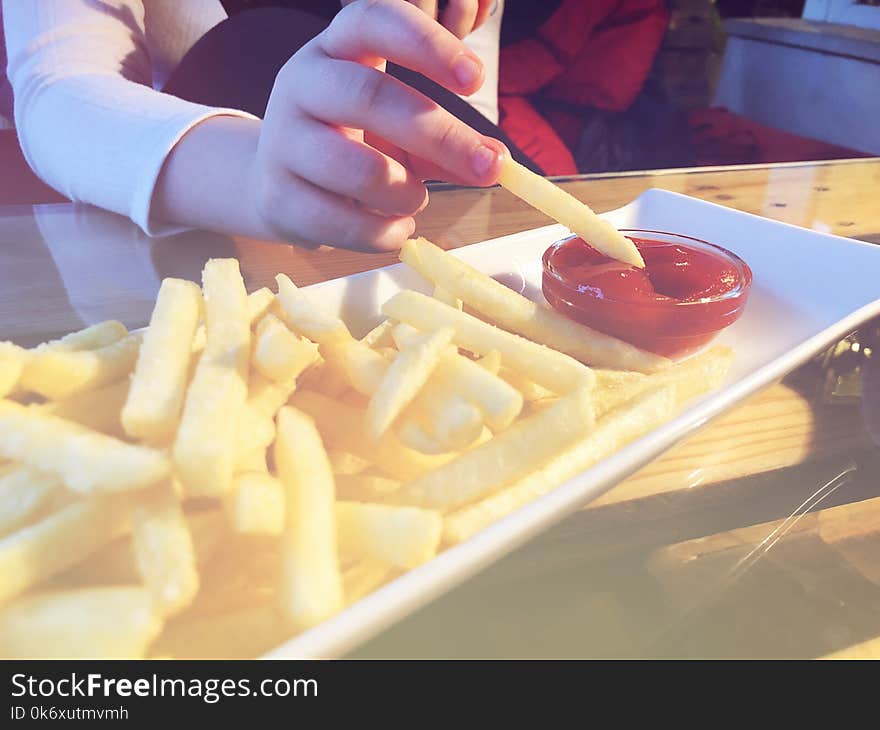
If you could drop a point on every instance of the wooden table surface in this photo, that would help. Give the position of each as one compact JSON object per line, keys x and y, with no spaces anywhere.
{"x":619,"y":577}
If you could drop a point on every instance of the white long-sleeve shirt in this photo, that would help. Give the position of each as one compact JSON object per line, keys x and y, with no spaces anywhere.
{"x":85,"y":76}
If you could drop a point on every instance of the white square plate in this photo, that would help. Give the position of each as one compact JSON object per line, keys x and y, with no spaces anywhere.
{"x":809,"y":290}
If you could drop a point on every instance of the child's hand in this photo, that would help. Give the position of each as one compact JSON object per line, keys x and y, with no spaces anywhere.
{"x":315,"y":177}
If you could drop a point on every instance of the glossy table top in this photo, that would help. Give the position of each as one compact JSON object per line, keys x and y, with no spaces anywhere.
{"x":759,"y":536}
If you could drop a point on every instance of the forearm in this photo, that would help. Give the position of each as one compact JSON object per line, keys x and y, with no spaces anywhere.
{"x":207,"y":180}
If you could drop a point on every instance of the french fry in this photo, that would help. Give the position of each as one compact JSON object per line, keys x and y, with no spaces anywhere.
{"x":23,"y":494}
{"x":155,"y":398}
{"x":255,"y":506}
{"x":258,"y":303}
{"x":86,"y":461}
{"x":344,"y":463}
{"x":238,"y":634}
{"x":404,"y":537}
{"x":344,"y":427}
{"x":266,"y":396}
{"x":256,"y":432}
{"x":354,"y":361}
{"x":204,"y":450}
{"x":442,"y":294}
{"x":53,"y":544}
{"x":491,"y":361}
{"x":455,"y":373}
{"x":614,"y":430}
{"x":12,"y":362}
{"x":278,"y":353}
{"x":503,"y":306}
{"x":364,"y":487}
{"x":528,"y":389}
{"x":403,"y":380}
{"x":89,"y":623}
{"x":358,"y":365}
{"x":93,"y":337}
{"x":163,"y":550}
{"x":554,"y":370}
{"x":311,"y":586}
{"x":609,"y":378}
{"x":553,"y":201}
{"x":690,"y":377}
{"x":498,"y":400}
{"x":414,"y":436}
{"x":57,"y":372}
{"x":363,"y":577}
{"x":440,"y":420}
{"x":526,"y":445}
{"x":99,"y":409}
{"x":380,"y":335}
{"x":115,"y":563}
{"x":308,"y":317}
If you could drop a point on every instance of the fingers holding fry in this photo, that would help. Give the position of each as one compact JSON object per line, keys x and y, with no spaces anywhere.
{"x":550,"y":199}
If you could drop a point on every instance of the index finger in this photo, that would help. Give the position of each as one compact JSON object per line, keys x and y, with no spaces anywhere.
{"x":372,"y":31}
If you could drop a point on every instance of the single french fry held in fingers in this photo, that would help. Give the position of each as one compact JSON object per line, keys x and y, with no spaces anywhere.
{"x":403,"y":380}
{"x":155,"y":397}
{"x":487,"y":468}
{"x":204,"y":449}
{"x":509,"y":309}
{"x":550,"y":199}
{"x":84,"y":460}
{"x":404,"y":537}
{"x":554,"y":370}
{"x":310,"y":586}
{"x":115,"y":622}
{"x":617,"y":428}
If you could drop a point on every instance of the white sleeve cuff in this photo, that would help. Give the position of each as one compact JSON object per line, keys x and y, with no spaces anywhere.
{"x":167,"y":136}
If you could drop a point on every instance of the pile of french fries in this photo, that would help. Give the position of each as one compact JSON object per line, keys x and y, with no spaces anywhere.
{"x":246,"y":467}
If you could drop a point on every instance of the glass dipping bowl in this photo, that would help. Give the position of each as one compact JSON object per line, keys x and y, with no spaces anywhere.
{"x":666,"y":326}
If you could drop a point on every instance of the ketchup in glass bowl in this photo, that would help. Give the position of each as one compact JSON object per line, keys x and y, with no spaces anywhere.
{"x":688,"y":291}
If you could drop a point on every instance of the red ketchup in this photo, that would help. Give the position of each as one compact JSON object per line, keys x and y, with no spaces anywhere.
{"x":688,"y":291}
